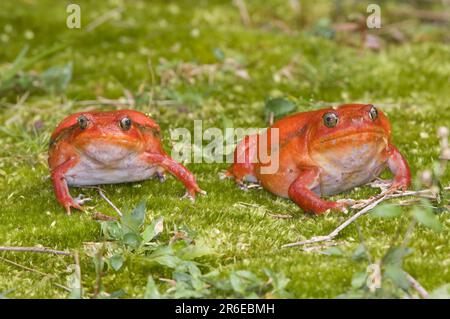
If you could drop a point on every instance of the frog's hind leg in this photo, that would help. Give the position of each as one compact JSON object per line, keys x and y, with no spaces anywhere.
{"x":243,"y":168}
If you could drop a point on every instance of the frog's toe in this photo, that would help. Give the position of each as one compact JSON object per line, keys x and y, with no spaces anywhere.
{"x":225,"y":174}
{"x":189,"y":196}
{"x":74,"y":205}
{"x":81,"y":199}
{"x":161,"y":177}
{"x":242,"y":186}
{"x":400,"y":185}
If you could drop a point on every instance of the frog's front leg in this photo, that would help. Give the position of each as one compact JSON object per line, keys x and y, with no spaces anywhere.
{"x":60,"y":185}
{"x":399,"y":167}
{"x":300,"y":192}
{"x":177,"y":170}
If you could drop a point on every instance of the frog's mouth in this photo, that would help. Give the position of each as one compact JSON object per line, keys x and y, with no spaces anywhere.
{"x":106,"y":150}
{"x":365,"y":135}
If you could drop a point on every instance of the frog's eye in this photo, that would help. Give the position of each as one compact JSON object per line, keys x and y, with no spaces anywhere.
{"x":125,"y":123}
{"x":330,"y":119}
{"x":373,"y":113}
{"x":82,"y":121}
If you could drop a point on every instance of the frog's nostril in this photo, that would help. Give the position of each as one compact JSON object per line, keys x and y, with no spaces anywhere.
{"x":357,"y":121}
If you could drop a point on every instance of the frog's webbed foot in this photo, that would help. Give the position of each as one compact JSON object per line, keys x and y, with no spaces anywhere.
{"x":242,"y":186}
{"x":76,"y":203}
{"x":382,"y":184}
{"x":68,"y":204}
{"x":188,"y":195}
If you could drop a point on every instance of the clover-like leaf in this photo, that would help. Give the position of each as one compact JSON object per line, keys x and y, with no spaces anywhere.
{"x":279,"y":107}
{"x":386,"y":211}
{"x":132,"y":239}
{"x":359,"y":279}
{"x":395,"y":255}
{"x":397,"y":275}
{"x":116,"y":262}
{"x":427,"y":218}
{"x":151,"y":290}
{"x":152,"y":230}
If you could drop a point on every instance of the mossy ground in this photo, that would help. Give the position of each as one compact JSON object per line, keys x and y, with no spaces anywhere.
{"x":409,"y":81}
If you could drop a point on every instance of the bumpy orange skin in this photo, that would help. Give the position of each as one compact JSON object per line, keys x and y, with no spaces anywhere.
{"x":316,"y":160}
{"x":103,"y":152}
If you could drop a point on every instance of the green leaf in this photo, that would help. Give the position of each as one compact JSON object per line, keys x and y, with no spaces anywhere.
{"x":427,"y":218}
{"x":74,"y":283}
{"x":132,"y":239}
{"x":151,"y":290}
{"x":218,"y":54}
{"x":153,"y":230}
{"x":168,"y":261}
{"x":386,"y":211}
{"x":279,"y":281}
{"x":359,"y":253}
{"x":278,"y":107}
{"x":195,"y":251}
{"x":135,"y":220}
{"x":112,"y":230}
{"x":21,"y":63}
{"x":359,"y":279}
{"x":334,"y":251}
{"x":395,"y":255}
{"x":397,"y":275}
{"x":116,"y":262}
{"x":117,"y":294}
{"x":56,"y":79}
{"x":237,"y":283}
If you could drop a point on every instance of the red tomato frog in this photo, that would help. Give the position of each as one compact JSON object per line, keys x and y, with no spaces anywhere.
{"x":323,"y":152}
{"x":92,"y":148}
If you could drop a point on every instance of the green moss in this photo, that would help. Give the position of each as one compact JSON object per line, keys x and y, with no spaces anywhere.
{"x":409,"y":81}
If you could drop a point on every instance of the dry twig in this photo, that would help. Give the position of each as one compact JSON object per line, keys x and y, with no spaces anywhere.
{"x":366,"y":206}
{"x":417,"y":286}
{"x":42,"y":250}
{"x":34,"y":271}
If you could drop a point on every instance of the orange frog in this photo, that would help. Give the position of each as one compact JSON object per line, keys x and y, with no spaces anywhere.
{"x":91,"y":148}
{"x":322,"y":152}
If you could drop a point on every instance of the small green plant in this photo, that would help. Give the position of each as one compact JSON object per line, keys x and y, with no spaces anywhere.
{"x":131,"y":238}
{"x":15,"y":79}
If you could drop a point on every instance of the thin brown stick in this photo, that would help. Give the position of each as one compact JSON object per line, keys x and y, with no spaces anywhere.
{"x":109,"y":202}
{"x":41,"y":250}
{"x":76,"y":259}
{"x":103,"y":18}
{"x":417,"y":286}
{"x":366,"y":207}
{"x":243,"y":12}
{"x":334,"y":233}
{"x":8,"y":261}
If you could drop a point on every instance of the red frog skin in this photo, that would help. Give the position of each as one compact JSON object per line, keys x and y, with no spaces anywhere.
{"x":323,"y":152}
{"x":92,"y":148}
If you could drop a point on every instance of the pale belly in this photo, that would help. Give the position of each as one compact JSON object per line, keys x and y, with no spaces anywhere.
{"x":350,"y":167}
{"x":89,"y":171}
